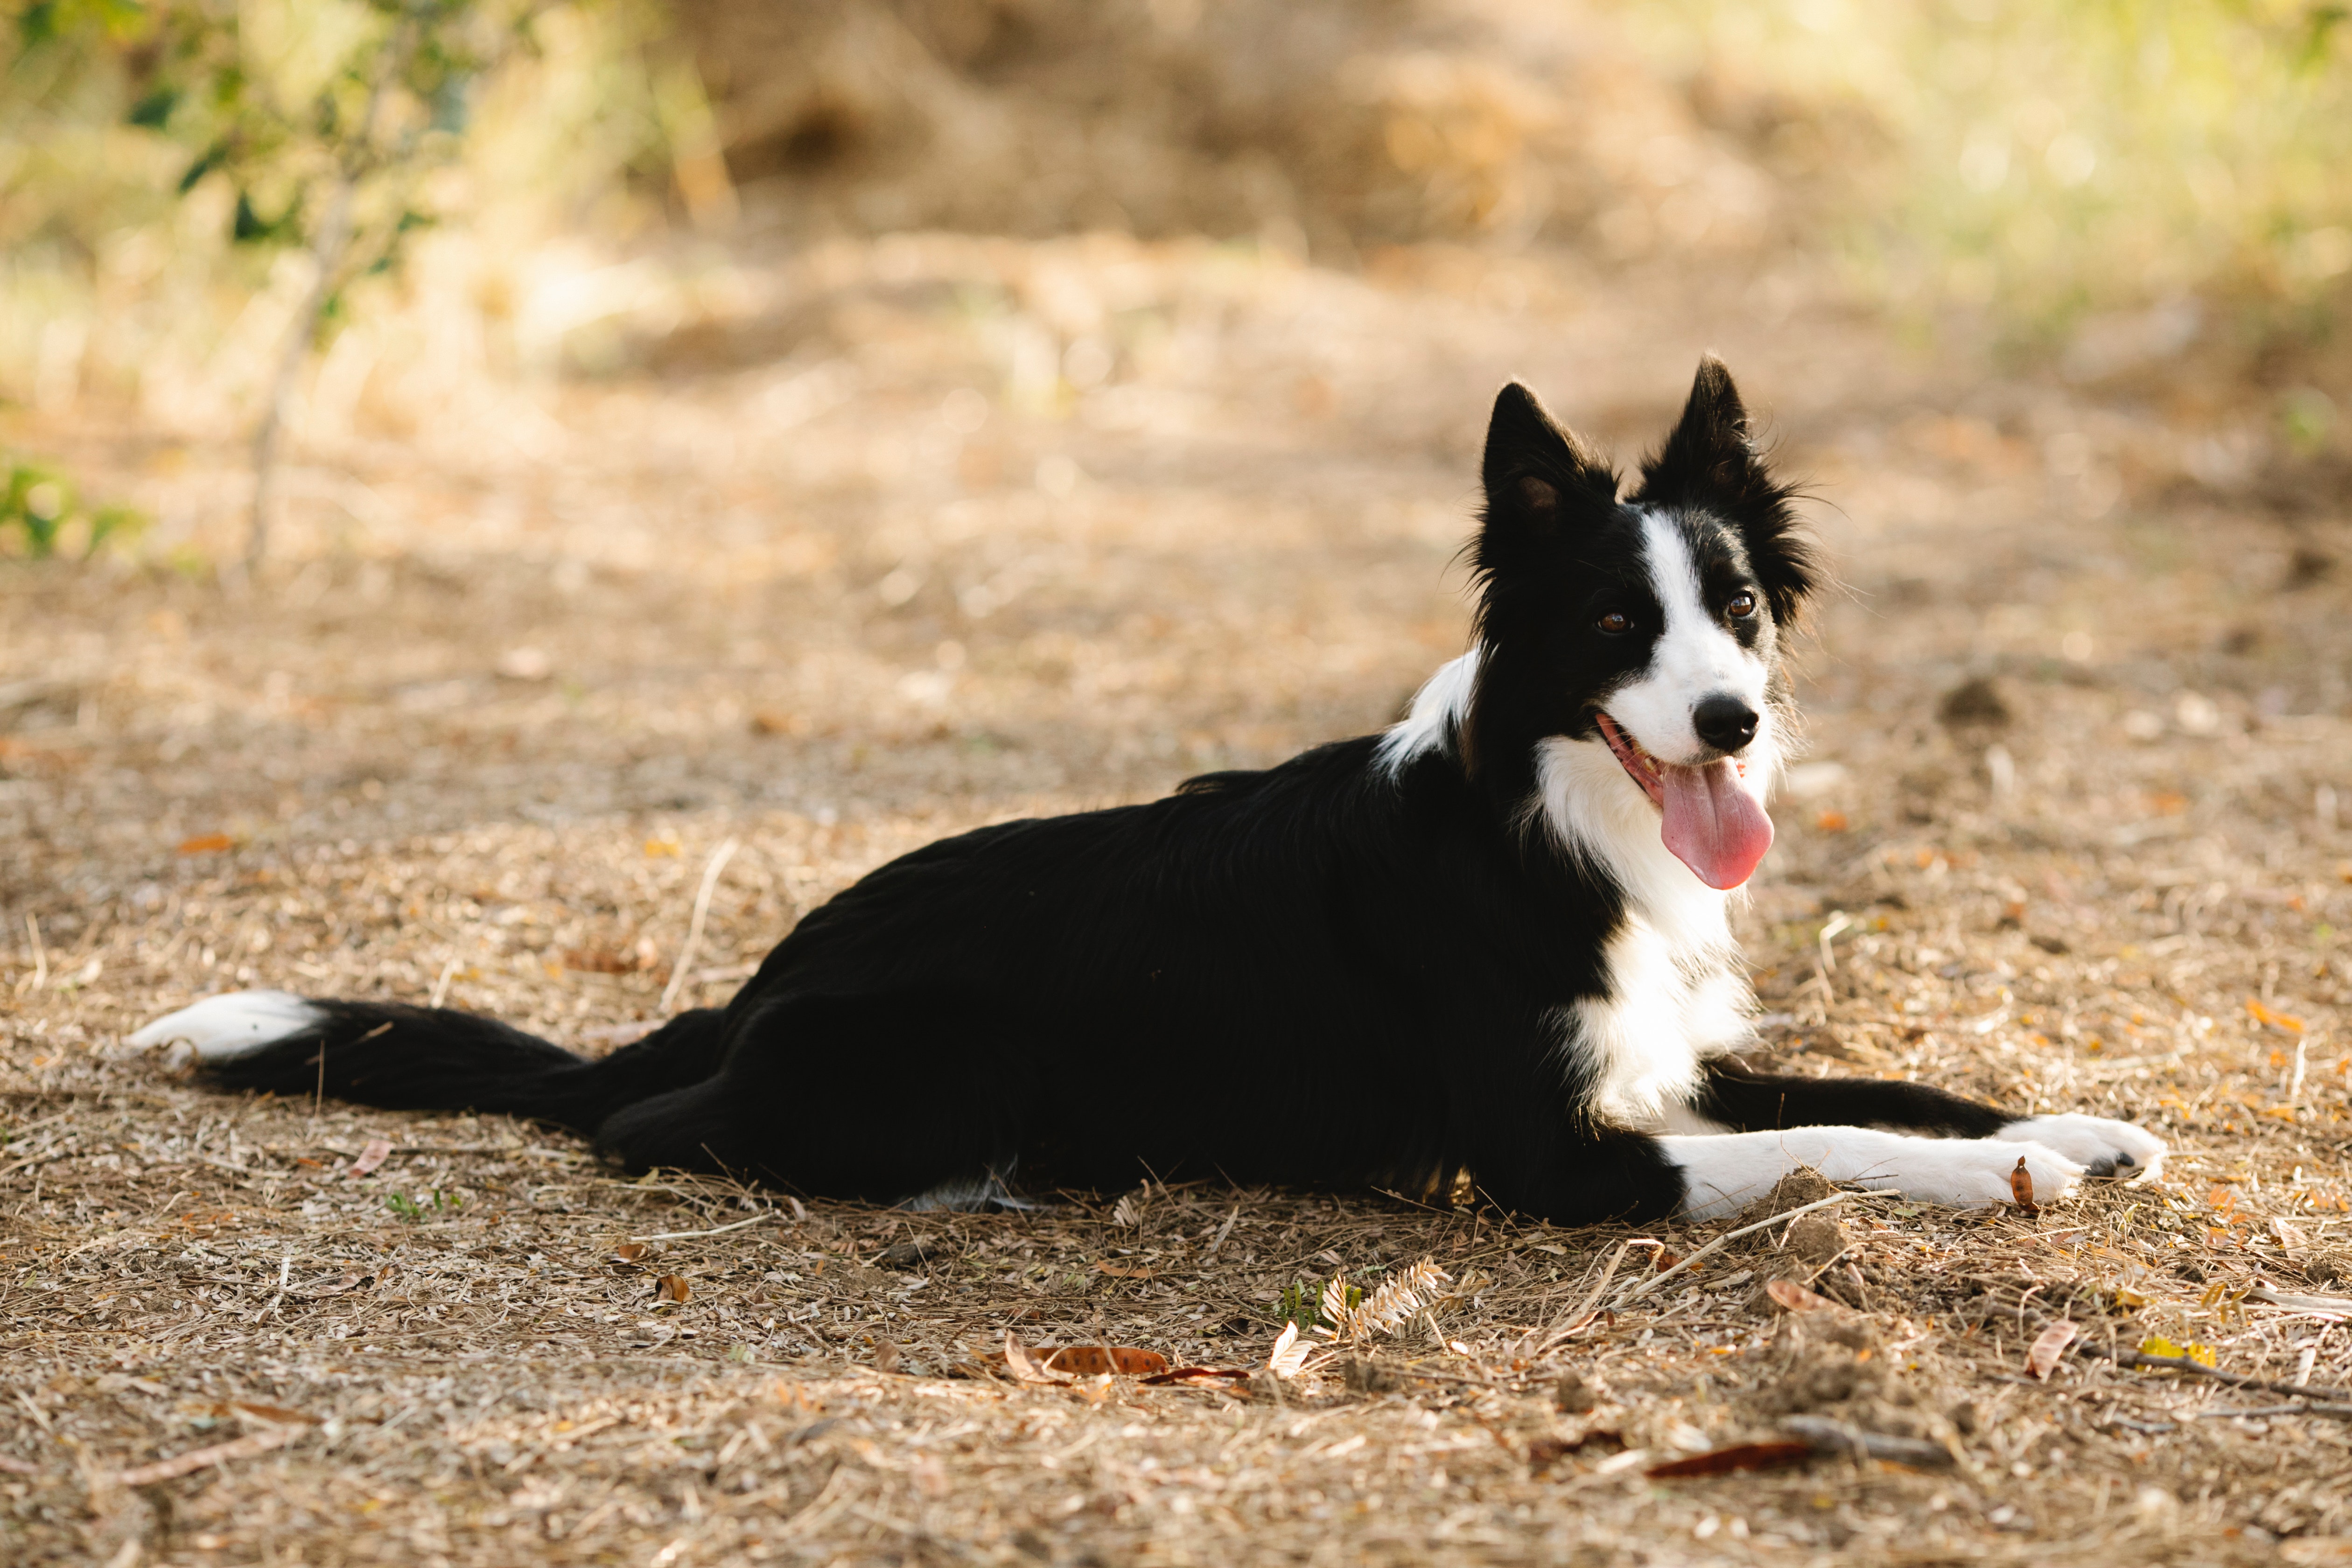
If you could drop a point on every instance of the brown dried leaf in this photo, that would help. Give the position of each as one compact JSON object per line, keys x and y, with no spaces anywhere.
{"x":1024,"y":1367}
{"x":673,"y":1288}
{"x":2049,"y":1345}
{"x":2021,"y":1189}
{"x":1090,"y":1360}
{"x":376,"y":1152}
{"x":1795,"y":1298}
{"x":630,"y":1252}
{"x":1200,"y":1376}
{"x":1115,"y":1271}
{"x":1739,"y":1456}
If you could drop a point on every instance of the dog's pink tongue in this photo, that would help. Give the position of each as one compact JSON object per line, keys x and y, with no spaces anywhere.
{"x":1713,"y":826}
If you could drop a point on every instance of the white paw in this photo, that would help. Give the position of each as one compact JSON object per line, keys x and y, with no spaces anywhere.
{"x":2100,"y":1146}
{"x":1967,"y":1172}
{"x":1723,"y":1170}
{"x":222,"y":1028}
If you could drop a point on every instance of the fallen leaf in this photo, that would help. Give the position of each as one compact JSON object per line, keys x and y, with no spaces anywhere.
{"x":1289,"y":1357}
{"x":630,"y":1252}
{"x":376,"y":1152}
{"x":1089,"y":1360}
{"x":2158,"y":1345}
{"x":206,"y":844}
{"x":1666,"y":1260}
{"x":1200,"y":1376}
{"x":1795,"y":1298}
{"x":2021,"y":1188}
{"x":1739,"y":1456}
{"x":1024,"y":1368}
{"x":673,"y":1288}
{"x":2048,"y":1346}
{"x":1138,"y":1272}
{"x":2285,"y":1023}
{"x":885,"y":1356}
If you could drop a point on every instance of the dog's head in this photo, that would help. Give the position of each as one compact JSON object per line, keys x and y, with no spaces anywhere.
{"x":1635,"y":644}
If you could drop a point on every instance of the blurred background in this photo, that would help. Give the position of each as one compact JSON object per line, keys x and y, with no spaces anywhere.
{"x":905,"y":413}
{"x":2117,"y":194}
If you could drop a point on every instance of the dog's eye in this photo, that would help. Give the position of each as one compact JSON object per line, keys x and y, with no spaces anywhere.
{"x":1616,"y":623}
{"x":1742,"y":606}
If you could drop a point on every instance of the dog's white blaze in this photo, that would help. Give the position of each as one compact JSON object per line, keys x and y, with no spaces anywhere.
{"x":1694,"y":658}
{"x":1725,"y":1172}
{"x":1440,"y":705}
{"x":222,"y":1028}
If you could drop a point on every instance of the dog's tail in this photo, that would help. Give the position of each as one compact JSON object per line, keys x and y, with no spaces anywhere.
{"x":404,"y":1057}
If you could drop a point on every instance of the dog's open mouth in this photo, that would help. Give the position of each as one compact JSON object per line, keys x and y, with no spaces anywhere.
{"x":1711,"y":824}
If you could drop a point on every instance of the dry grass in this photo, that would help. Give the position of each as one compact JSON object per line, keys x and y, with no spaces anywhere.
{"x":835,"y":626}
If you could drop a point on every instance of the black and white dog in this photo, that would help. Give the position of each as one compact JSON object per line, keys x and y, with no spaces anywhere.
{"x":1494,"y":938}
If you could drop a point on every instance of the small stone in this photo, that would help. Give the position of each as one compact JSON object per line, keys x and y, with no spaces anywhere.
{"x":1975,"y":704}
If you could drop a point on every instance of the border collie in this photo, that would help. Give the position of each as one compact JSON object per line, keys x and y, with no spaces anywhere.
{"x":1492,"y":939}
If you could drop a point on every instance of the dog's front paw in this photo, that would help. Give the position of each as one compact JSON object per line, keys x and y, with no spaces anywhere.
{"x":1971,"y":1171}
{"x":2100,"y":1146}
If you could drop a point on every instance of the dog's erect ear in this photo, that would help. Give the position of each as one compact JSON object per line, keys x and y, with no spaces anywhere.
{"x":1537,"y":473}
{"x":1709,"y":464}
{"x":1708,"y":451}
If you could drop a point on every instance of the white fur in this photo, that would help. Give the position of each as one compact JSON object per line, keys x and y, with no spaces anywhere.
{"x":1438,"y":710}
{"x":222,"y":1028}
{"x":1694,"y":658}
{"x":2092,"y":1141}
{"x":1671,"y":1005}
{"x":1724,"y":1172}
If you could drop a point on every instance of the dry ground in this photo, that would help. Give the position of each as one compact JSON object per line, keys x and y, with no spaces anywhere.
{"x":840,"y":570}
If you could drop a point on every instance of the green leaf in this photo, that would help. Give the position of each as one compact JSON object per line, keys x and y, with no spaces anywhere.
{"x":153,"y":111}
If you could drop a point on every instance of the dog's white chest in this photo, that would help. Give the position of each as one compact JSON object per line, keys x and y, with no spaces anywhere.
{"x":1669,"y":1007}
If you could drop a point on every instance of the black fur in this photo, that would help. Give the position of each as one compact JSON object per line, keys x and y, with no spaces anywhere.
{"x":1331,"y":973}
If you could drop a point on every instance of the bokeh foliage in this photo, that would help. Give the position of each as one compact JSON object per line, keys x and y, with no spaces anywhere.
{"x":2045,"y":157}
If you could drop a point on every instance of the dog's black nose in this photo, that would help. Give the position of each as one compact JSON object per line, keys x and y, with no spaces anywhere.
{"x":1724,"y":722}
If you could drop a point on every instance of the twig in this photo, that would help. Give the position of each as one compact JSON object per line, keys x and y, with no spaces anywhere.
{"x":40,"y":953}
{"x":2340,"y":1412}
{"x":693,"y":1235}
{"x":1224,"y":1231}
{"x":677,"y":975}
{"x":2125,"y":1357}
{"x":441,"y":986}
{"x":1642,"y":1288}
{"x":1836,"y":1438}
{"x":1583,"y":1313}
{"x":188,"y":1464}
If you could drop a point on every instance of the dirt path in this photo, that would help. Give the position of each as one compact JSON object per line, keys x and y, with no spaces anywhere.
{"x":849,"y":571}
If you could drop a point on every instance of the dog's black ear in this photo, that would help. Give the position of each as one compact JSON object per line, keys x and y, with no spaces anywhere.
{"x":1538,"y":474}
{"x":1710,"y":463}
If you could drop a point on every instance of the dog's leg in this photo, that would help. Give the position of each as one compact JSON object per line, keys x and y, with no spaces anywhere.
{"x":1723,"y":1172}
{"x":905,"y":1096}
{"x":1743,"y":1101}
